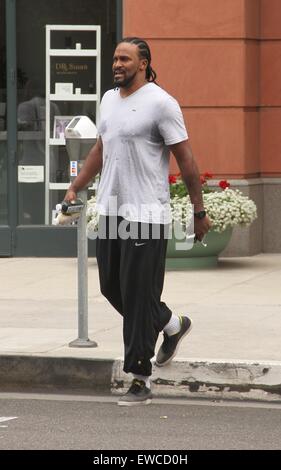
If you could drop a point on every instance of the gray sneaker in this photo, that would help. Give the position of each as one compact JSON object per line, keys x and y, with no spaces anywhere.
{"x":170,"y":345}
{"x":138,"y":394}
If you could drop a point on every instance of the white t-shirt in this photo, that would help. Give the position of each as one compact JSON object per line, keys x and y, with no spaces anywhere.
{"x":136,"y":132}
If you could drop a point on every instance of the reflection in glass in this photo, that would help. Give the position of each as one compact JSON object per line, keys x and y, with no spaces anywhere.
{"x":31,"y":150}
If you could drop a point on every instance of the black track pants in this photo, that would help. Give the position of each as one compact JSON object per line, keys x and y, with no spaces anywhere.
{"x":131,"y":277}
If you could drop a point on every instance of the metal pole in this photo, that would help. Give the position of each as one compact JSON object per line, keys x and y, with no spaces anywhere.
{"x":82,"y":247}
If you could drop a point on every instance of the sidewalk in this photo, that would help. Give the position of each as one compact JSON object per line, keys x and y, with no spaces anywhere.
{"x":232,"y":351}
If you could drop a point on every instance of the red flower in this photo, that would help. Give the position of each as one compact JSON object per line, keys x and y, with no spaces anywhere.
{"x":172,"y":179}
{"x":202,"y":179}
{"x":224,"y":184}
{"x":208,"y":175}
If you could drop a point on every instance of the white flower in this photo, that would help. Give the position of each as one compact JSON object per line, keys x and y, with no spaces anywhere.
{"x":224,"y":208}
{"x":92,"y":217}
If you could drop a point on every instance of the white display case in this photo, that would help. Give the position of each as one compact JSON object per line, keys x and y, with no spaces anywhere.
{"x":59,"y":92}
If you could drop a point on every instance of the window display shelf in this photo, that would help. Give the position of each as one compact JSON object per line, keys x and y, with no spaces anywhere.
{"x":68,"y":82}
{"x":57,"y":141}
{"x":74,"y":52}
{"x":59,"y":186}
{"x":77,"y":97}
{"x":65,"y":186}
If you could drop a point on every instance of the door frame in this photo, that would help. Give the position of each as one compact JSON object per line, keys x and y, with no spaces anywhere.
{"x":7,"y":232}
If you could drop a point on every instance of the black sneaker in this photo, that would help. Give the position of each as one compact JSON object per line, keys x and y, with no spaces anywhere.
{"x":169,"y":347}
{"x":138,"y":394}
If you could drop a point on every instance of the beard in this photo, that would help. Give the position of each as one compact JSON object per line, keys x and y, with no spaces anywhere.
{"x":124,"y":82}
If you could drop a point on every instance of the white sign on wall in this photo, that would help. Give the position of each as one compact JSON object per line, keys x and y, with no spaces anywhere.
{"x":30,"y":174}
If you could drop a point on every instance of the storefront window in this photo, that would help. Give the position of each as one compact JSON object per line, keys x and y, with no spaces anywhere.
{"x":32,"y":18}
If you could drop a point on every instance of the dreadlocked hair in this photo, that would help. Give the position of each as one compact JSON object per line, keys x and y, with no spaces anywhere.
{"x":144,"y":53}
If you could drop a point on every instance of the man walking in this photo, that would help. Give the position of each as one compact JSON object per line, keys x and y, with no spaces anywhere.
{"x":139,"y":125}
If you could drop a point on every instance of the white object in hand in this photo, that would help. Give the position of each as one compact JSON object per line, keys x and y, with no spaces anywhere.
{"x":188,"y":237}
{"x":63,"y":219}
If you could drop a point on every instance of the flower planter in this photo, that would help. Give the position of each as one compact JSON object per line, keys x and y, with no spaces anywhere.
{"x":225,"y":207}
{"x":199,"y":256}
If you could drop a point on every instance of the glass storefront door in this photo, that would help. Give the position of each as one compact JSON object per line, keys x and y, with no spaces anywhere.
{"x":35,"y":236}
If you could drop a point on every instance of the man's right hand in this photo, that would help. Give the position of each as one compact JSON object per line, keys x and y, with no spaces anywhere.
{"x":70,"y":195}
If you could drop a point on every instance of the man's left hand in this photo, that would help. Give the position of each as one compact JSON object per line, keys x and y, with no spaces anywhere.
{"x":201,"y":227}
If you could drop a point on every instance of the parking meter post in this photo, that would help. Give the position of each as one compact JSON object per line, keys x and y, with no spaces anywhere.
{"x":80,"y":136}
{"x":82,"y":278}
{"x":82,"y":248}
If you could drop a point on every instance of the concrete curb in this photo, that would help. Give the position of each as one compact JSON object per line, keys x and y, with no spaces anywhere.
{"x":68,"y":373}
{"x":249,"y":380}
{"x":198,"y":378}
